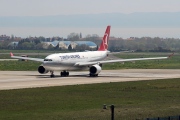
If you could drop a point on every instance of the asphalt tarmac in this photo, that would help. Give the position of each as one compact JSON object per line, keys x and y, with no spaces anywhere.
{"x":32,"y":79}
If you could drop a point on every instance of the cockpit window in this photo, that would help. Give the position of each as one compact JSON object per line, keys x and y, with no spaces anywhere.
{"x":47,"y":59}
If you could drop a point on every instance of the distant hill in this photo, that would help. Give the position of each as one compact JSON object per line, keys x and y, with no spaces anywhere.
{"x":162,"y":19}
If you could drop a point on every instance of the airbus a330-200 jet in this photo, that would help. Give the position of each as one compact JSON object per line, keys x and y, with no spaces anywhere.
{"x":88,"y":60}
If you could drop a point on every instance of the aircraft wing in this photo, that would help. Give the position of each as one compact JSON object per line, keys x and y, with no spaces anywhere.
{"x":27,"y":58}
{"x":118,"y":60}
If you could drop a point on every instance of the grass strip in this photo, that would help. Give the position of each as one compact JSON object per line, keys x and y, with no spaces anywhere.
{"x":132,"y":100}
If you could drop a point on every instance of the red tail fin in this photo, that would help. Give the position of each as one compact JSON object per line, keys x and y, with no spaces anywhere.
{"x":104,"y":43}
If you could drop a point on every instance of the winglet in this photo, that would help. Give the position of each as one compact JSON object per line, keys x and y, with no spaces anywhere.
{"x":11,"y":54}
{"x":171,"y":55}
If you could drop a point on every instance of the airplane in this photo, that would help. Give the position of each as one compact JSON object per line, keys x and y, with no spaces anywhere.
{"x":92,"y":60}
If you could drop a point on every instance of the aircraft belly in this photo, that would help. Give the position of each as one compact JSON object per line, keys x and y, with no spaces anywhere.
{"x":63,"y":66}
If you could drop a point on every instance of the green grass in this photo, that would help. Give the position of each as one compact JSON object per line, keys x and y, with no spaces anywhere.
{"x":132,"y":100}
{"x":171,"y":63}
{"x":19,"y":65}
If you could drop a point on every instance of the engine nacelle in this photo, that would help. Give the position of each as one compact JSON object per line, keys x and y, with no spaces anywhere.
{"x":95,"y":69}
{"x":42,"y":70}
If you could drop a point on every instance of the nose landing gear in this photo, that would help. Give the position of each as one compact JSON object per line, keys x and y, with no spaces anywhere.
{"x":52,"y":74}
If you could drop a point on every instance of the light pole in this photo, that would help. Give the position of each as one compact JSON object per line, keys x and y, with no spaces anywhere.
{"x":112,"y":110}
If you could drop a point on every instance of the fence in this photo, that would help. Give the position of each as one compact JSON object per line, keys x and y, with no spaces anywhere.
{"x":165,"y":118}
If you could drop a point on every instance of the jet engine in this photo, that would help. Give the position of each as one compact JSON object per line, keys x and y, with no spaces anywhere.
{"x":42,"y":70}
{"x":94,"y":70}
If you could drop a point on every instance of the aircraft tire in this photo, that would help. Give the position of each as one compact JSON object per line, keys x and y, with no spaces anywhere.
{"x":64,"y":74}
{"x":51,"y":76}
{"x":67,"y":73}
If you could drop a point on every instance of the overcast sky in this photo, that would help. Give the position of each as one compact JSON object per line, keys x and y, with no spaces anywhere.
{"x":68,"y":7}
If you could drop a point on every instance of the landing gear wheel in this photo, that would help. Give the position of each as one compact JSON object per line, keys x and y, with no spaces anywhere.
{"x":67,"y":73}
{"x":61,"y":74}
{"x":64,"y":74}
{"x":52,"y":74}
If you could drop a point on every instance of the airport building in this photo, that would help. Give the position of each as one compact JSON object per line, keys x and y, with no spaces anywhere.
{"x":13,"y":44}
{"x":66,"y":44}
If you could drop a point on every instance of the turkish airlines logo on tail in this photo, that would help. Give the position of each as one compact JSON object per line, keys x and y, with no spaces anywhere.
{"x":106,"y":41}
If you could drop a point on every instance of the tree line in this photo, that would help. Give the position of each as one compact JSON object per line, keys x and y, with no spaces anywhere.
{"x":115,"y":44}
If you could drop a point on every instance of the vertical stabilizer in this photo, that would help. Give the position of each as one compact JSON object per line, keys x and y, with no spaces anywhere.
{"x":104,"y":43}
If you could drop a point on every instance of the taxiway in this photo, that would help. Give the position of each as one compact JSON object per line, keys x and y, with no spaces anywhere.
{"x":32,"y":79}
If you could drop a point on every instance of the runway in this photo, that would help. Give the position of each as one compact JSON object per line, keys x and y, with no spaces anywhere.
{"x":32,"y":79}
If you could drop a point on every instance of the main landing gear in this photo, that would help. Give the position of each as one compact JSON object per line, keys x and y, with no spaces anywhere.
{"x":64,"y":73}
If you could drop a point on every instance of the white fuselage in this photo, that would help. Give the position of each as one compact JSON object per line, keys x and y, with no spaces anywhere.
{"x":66,"y":61}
